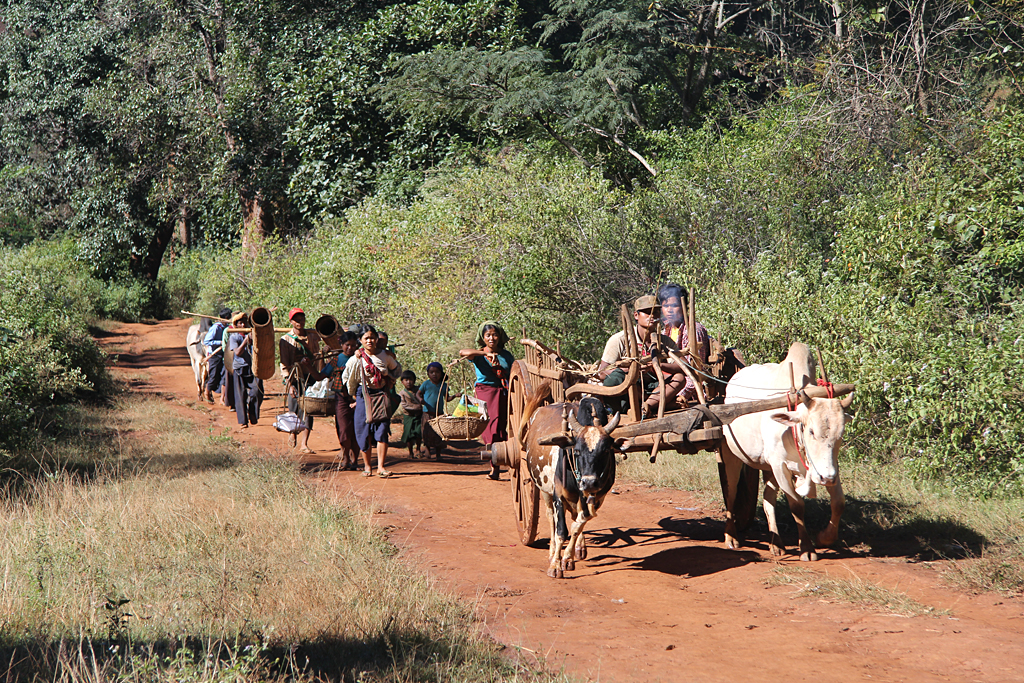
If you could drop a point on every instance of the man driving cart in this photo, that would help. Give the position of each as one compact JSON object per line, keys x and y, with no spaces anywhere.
{"x":646,"y":314}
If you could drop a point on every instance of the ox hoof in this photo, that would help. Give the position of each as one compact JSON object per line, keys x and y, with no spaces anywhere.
{"x":581,"y":552}
{"x":731,"y":543}
{"x":809,"y":557}
{"x":554,"y":572}
{"x":568,"y":564}
{"x":827,"y":537}
{"x":777,"y":550}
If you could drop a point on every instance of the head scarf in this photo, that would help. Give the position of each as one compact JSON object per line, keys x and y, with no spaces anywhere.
{"x":502,"y":336}
{"x":437,"y":365}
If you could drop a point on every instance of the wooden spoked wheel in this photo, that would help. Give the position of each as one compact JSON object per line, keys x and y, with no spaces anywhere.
{"x":525,"y":496}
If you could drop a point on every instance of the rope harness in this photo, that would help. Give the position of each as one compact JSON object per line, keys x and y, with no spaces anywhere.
{"x":799,"y":433}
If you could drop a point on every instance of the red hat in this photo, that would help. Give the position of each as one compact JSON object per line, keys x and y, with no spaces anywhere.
{"x":294,"y":311}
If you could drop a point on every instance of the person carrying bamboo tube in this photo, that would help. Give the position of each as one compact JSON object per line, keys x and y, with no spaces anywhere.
{"x":673,"y":299}
{"x":298,"y":349}
{"x":248,"y":387}
{"x":213,"y":341}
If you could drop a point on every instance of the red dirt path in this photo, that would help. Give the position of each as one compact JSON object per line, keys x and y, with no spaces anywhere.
{"x":659,"y":599}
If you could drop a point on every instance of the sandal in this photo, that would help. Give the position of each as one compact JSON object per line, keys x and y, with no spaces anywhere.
{"x":384,"y":474}
{"x":307,"y":451}
{"x":367,"y":473}
{"x":494,"y":475}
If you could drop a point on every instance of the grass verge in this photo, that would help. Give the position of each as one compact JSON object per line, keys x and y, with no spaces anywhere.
{"x":888,"y":513}
{"x":856,"y":591}
{"x":148,"y":549}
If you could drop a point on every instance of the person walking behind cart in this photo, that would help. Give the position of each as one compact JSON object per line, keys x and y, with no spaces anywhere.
{"x":214,"y":341}
{"x":298,"y":349}
{"x":248,"y":388}
{"x":493,"y":364}
{"x":344,"y":411}
{"x":433,"y":394}
{"x":369,"y":374}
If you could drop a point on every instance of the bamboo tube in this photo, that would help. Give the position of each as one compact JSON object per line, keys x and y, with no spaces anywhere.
{"x":263,"y":351}
{"x":327,"y":327}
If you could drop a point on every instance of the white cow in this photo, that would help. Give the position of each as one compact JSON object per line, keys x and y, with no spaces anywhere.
{"x":197,"y":354}
{"x":795,"y":449}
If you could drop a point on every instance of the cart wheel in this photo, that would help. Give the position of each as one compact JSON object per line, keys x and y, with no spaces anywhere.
{"x":519,"y":385}
{"x":526,"y":500}
{"x":525,"y":496}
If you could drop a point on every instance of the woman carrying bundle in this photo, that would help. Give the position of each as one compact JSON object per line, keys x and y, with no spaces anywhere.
{"x":298,"y":349}
{"x":493,"y":363}
{"x":369,"y":374}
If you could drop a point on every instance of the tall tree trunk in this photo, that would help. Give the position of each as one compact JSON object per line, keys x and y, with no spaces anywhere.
{"x":257,"y":222}
{"x":147,"y":265}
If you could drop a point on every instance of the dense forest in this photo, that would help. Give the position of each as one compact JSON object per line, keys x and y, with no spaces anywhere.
{"x":846,"y":173}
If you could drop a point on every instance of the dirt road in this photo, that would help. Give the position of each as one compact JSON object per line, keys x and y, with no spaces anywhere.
{"x":659,"y":599}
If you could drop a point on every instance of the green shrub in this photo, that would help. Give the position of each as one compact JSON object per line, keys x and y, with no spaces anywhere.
{"x":47,"y":357}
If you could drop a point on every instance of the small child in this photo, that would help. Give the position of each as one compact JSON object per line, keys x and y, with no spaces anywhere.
{"x":433,"y":393}
{"x":412,"y":422}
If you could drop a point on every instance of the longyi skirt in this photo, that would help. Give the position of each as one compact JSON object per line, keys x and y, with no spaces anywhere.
{"x":496,"y":399}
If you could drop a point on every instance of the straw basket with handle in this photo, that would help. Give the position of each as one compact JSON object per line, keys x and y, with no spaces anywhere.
{"x":263,"y":351}
{"x":317,"y":407}
{"x":451,"y":428}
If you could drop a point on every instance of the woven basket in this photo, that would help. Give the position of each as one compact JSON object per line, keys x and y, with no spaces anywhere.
{"x":452,"y":428}
{"x":317,"y":407}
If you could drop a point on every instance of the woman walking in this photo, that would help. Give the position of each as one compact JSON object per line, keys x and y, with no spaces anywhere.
{"x":369,"y":374}
{"x":492,"y":363}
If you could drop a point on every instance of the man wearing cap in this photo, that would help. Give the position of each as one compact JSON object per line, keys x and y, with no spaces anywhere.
{"x":646,"y":312}
{"x":298,"y":349}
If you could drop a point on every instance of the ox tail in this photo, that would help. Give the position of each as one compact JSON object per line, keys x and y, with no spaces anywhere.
{"x":534,"y":400}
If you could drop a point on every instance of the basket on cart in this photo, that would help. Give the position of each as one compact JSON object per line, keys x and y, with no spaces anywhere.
{"x":452,"y":428}
{"x":317,"y":407}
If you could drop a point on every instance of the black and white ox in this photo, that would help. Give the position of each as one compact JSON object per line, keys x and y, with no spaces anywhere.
{"x":574,"y":473}
{"x":796,"y":449}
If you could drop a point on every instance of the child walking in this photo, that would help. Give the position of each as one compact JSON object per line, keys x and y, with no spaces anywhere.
{"x":433,"y":393}
{"x":412,"y":422}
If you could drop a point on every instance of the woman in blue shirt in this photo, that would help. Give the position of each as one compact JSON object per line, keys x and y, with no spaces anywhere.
{"x":493,"y":364}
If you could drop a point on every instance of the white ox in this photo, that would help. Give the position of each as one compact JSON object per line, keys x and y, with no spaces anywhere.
{"x":765,"y":441}
{"x":197,"y":354}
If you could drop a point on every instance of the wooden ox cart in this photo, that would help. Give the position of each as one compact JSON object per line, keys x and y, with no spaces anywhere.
{"x":688,"y":430}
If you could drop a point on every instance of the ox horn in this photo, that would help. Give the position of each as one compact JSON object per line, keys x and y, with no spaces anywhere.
{"x":612,"y":423}
{"x":574,"y":423}
{"x":846,"y":401}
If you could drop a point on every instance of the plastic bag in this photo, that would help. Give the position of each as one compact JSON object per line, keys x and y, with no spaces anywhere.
{"x":289,"y":423}
{"x":321,"y":389}
{"x":471,"y":407}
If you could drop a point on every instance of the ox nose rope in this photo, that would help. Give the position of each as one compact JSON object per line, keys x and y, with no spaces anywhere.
{"x":797,"y":435}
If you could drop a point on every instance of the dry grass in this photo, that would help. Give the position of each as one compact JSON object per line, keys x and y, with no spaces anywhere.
{"x":171,"y":559}
{"x":855,"y":591}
